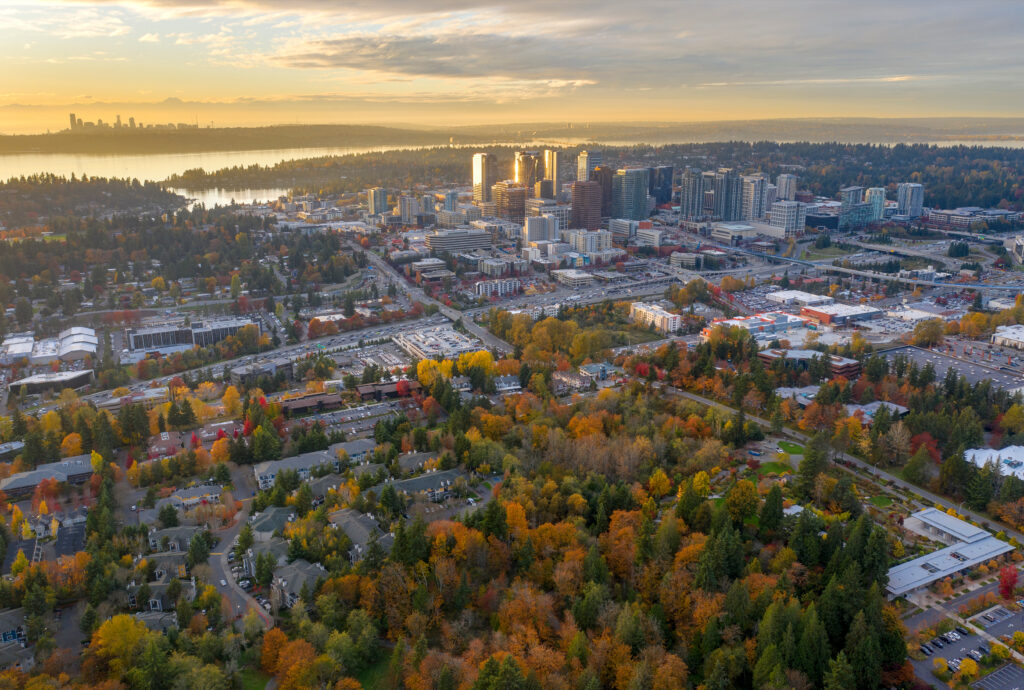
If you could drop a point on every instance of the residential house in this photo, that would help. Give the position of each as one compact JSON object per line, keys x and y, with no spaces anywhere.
{"x":432,"y":486}
{"x":360,"y":528}
{"x":271,"y":520}
{"x":74,"y":470}
{"x":173,"y":539}
{"x":303,"y":465}
{"x":290,"y":579}
{"x":507,"y":384}
{"x":564,"y":382}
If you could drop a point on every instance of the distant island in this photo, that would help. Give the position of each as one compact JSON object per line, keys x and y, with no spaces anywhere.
{"x":191,"y":139}
{"x":125,"y":140}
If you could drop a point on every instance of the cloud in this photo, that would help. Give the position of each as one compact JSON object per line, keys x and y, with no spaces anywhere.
{"x":149,"y":38}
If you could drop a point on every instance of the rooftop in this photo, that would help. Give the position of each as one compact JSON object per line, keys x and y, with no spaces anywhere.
{"x":963,"y":531}
{"x":922,"y":571}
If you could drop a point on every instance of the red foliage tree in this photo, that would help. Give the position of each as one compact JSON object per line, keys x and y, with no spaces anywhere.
{"x":1007,"y":581}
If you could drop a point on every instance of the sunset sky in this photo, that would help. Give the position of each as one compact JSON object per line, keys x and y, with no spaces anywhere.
{"x":483,"y":61}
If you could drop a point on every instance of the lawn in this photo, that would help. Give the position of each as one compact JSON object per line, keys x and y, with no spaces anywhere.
{"x":881,"y":501}
{"x":791,"y":448}
{"x":251,"y":679}
{"x":772,"y":468}
{"x":375,"y":676}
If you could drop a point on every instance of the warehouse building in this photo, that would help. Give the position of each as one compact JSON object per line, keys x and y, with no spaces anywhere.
{"x":840,"y":314}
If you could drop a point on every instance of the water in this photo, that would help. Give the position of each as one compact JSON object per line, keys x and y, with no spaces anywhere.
{"x":223,"y":197}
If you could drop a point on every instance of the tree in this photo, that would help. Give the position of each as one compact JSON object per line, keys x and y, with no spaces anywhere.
{"x":119,"y":641}
{"x":840,"y":674}
{"x":23,"y":311}
{"x":916,"y":469}
{"x":273,"y":641}
{"x":231,"y":401}
{"x":1007,"y":581}
{"x":501,"y":676}
{"x":742,"y":500}
{"x":168,"y":516}
{"x":771,"y":511}
{"x":71,"y":445}
{"x":236,"y":286}
{"x":659,"y":483}
{"x":968,"y":669}
{"x":928,"y":333}
{"x":864,"y":652}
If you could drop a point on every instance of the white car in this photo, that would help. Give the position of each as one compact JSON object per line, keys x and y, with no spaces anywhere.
{"x":223,"y":583}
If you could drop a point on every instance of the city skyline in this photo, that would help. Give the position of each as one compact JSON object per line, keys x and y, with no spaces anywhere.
{"x":247,"y":62}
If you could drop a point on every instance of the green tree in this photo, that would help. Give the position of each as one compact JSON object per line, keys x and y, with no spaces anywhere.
{"x":840,"y":674}
{"x":771,"y":511}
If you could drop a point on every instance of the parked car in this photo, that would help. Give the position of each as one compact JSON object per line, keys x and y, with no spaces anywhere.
{"x":974,"y":655}
{"x":925,"y":650}
{"x":962,"y":630}
{"x":937,"y":643}
{"x":990,"y":618}
{"x":984,"y":650}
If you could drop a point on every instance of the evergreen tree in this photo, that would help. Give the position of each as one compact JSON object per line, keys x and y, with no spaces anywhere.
{"x":864,"y":652}
{"x":812,"y":650}
{"x":840,"y":674}
{"x":771,"y":511}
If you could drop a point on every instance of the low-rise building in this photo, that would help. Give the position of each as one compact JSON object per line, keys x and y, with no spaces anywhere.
{"x":303,"y":465}
{"x":73,"y":470}
{"x":797,"y":297}
{"x":361,"y":529}
{"x":655,"y":317}
{"x":442,"y":342}
{"x":763,"y":324}
{"x":840,"y":314}
{"x":1009,"y":336}
{"x":838,"y":366}
{"x":572,"y":277}
{"x":289,"y":581}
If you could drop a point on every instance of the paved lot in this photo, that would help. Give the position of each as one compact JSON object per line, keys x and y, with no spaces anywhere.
{"x":942,"y":362}
{"x":1007,"y":678}
{"x":954,"y":650}
{"x":1007,"y":622}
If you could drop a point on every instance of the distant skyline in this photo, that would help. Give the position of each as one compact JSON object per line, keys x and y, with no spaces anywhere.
{"x":463,"y":62}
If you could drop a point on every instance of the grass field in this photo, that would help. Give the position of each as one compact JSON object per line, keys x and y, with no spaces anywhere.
{"x":772,"y":468}
{"x":251,"y":679}
{"x":827,"y":253}
{"x":881,"y":501}
{"x":791,"y":448}
{"x":373,"y":678}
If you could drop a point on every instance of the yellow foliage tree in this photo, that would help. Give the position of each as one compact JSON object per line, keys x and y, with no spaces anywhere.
{"x":220,"y":450}
{"x":232,"y":401}
{"x":120,"y":640}
{"x":96,"y":460}
{"x":26,"y":531}
{"x":71,"y":445}
{"x":702,"y":483}
{"x":659,"y":484}
{"x":20,"y":563}
{"x":43,"y":508}
{"x":51,"y":423}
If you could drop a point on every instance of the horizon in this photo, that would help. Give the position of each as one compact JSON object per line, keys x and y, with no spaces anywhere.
{"x":248,"y":63}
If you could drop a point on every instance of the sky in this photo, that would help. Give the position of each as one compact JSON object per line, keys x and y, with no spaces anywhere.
{"x":456,"y":62}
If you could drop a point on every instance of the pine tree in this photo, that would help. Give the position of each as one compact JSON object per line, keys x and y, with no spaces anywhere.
{"x":864,"y":652}
{"x":840,"y":674}
{"x":771,"y":511}
{"x":812,"y":650}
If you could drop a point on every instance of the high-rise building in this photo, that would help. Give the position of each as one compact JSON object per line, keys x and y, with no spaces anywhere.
{"x":728,"y":199}
{"x":427,"y":203}
{"x":377,"y":200}
{"x":73,"y":121}
{"x":629,"y":193}
{"x":527,"y":169}
{"x":544,"y":189}
{"x":876,"y":197}
{"x":540,"y":229}
{"x":604,"y":175}
{"x":771,"y":195}
{"x":691,"y":194}
{"x":752,"y":206}
{"x":408,"y":209}
{"x":551,"y":168}
{"x":588,"y":241}
{"x":510,"y":200}
{"x":485,"y":174}
{"x":660,"y":183}
{"x":910,"y":199}
{"x":848,"y":196}
{"x":451,"y":200}
{"x":787,"y":187}
{"x":585,"y":164}
{"x":586,"y":205}
{"x":790,"y":216}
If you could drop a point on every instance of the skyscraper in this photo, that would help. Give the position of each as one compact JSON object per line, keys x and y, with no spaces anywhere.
{"x":876,"y":197}
{"x":552,"y":170}
{"x":752,"y":206}
{"x":728,"y":198}
{"x":544,"y":189}
{"x":510,"y":200}
{"x":73,"y":121}
{"x":604,"y":175}
{"x":787,"y":187}
{"x":408,"y":209}
{"x":586,"y":205}
{"x":848,"y":196}
{"x":629,"y":192}
{"x":910,"y":199}
{"x":527,"y":169}
{"x":585,"y":164}
{"x":691,"y":194}
{"x":485,"y":174}
{"x":660,"y":184}
{"x":377,"y":200}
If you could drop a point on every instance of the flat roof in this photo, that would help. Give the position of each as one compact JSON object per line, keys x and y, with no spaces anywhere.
{"x":920,"y":572}
{"x":1009,"y":460}
{"x":964,"y":531}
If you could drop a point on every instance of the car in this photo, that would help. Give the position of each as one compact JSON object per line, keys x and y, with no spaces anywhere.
{"x":926,"y":650}
{"x":989,"y":617}
{"x":974,"y":655}
{"x":223,"y":583}
{"x":962,"y":630}
{"x":937,"y":643}
{"x":984,"y":650}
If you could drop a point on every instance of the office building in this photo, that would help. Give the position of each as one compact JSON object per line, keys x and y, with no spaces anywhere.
{"x":789,"y":216}
{"x":685,"y":260}
{"x":528,"y":167}
{"x":458,"y":240}
{"x":759,"y":325}
{"x":540,"y":229}
{"x":451,"y":200}
{"x":771,"y":195}
{"x":544,"y":189}
{"x":485,"y":175}
{"x":585,"y":164}
{"x":498,"y":288}
{"x":629,"y":193}
{"x":876,"y":197}
{"x":654,"y":317}
{"x":840,"y":314}
{"x":661,"y":183}
{"x":441,"y":342}
{"x":572,"y":277}
{"x":623,"y":228}
{"x":798,"y":298}
{"x":408,"y":209}
{"x":753,"y":197}
{"x":854,"y":213}
{"x":178,"y":336}
{"x":648,"y":237}
{"x":786,"y":184}
{"x":551,"y":169}
{"x":910,"y":199}
{"x":586,"y":205}
{"x":510,"y":200}
{"x":691,"y":194}
{"x":590,"y":241}
{"x":603,"y":175}
{"x":377,"y":201}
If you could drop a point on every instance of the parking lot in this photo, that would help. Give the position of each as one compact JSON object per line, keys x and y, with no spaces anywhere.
{"x":1009,"y":677}
{"x":1006,"y":621}
{"x":949,"y":651}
